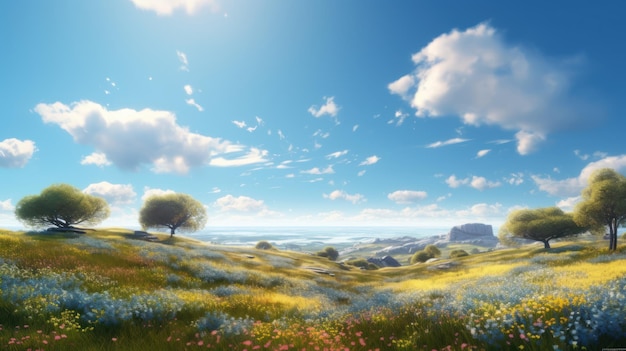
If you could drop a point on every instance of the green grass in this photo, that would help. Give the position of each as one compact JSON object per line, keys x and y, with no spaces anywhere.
{"x":177,"y":293}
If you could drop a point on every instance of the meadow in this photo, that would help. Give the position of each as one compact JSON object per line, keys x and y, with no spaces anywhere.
{"x":105,"y":291}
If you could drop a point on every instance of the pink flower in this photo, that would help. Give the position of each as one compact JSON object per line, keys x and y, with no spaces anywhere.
{"x":57,"y":337}
{"x":247,"y":342}
{"x":114,"y":339}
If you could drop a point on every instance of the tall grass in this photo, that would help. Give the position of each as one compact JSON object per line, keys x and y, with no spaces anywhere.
{"x":103,"y":291}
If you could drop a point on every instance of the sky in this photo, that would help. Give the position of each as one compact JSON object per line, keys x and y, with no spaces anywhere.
{"x":421,"y":114}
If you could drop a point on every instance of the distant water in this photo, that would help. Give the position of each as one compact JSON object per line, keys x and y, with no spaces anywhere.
{"x":306,"y":237}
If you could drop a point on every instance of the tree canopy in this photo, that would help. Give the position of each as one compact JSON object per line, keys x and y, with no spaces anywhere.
{"x":174,"y":211}
{"x":603,"y":203}
{"x":542,"y":224}
{"x":61,"y":205}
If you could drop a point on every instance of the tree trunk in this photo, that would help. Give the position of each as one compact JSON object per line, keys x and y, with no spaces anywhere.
{"x":613,"y":235}
{"x":546,"y":244}
{"x":172,"y":230}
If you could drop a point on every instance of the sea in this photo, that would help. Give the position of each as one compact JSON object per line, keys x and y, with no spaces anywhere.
{"x":307,"y":237}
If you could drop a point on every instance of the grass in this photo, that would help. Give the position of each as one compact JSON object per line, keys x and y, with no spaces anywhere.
{"x":106,"y":291}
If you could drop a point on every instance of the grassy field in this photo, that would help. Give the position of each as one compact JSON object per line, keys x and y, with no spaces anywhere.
{"x":106,"y":291}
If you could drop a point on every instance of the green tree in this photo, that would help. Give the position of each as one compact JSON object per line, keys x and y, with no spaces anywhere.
{"x":542,"y":224}
{"x":330,"y":252}
{"x":420,"y":256}
{"x":458,"y":253}
{"x":432,"y":250}
{"x":174,"y":211}
{"x":603,"y":204}
{"x":263,"y":245}
{"x":63,"y":206}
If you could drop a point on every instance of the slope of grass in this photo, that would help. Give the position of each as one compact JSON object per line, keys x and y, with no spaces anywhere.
{"x":106,"y":291}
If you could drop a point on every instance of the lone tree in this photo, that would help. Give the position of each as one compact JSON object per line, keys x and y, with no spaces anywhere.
{"x":542,"y":224}
{"x":603,"y":204}
{"x":173,"y":211}
{"x":61,"y":205}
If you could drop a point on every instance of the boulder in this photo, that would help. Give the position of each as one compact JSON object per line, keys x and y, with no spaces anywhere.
{"x":470,"y":231}
{"x":385,"y":261}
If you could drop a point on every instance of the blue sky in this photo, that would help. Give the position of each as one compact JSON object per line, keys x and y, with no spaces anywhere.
{"x":421,"y":114}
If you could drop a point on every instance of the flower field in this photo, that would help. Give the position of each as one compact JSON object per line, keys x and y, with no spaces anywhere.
{"x":104,"y":291}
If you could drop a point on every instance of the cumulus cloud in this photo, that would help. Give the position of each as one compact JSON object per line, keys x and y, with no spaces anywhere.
{"x":370,"y":161}
{"x":573,"y":186}
{"x":407,"y":196}
{"x":167,"y":7}
{"x":479,"y":183}
{"x":149,"y":192}
{"x":15,"y":153}
{"x":97,"y":158}
{"x":130,"y":138}
{"x":342,"y":195}
{"x":329,"y":108}
{"x":6,"y":205}
{"x":446,"y":143}
{"x":476,"y":75}
{"x":113,"y":193}
{"x":317,"y":170}
{"x":239,"y":204}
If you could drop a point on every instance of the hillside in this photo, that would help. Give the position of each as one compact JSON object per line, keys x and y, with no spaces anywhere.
{"x":104,"y":290}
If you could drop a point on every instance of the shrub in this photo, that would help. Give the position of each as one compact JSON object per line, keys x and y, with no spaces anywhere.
{"x":420,"y":256}
{"x":362,"y":263}
{"x":263,"y":245}
{"x":458,"y":253}
{"x":329,"y":252}
{"x":432,"y":250}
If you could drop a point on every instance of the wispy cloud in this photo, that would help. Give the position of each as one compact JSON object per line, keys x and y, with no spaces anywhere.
{"x":254,"y":156}
{"x":476,"y":182}
{"x":184,"y":63}
{"x":317,"y":171}
{"x":329,"y":108}
{"x":446,"y":143}
{"x":370,"y":161}
{"x":166,"y":8}
{"x":337,"y":154}
{"x":482,"y":153}
{"x":192,"y":102}
{"x":239,"y":204}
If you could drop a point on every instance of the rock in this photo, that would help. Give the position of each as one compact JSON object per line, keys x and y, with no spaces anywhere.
{"x":470,"y":231}
{"x":141,"y":235}
{"x":385,"y":261}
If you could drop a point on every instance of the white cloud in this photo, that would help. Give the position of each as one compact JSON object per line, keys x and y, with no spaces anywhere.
{"x":515,"y":179}
{"x":6,"y":205}
{"x":361,"y":173}
{"x":355,"y":127}
{"x":407,"y":196}
{"x":15,"y":153}
{"x":481,"y":183}
{"x":240,"y":124}
{"x":317,"y":170}
{"x":252,"y":157}
{"x":188,"y":89}
{"x":130,"y":138}
{"x":239,"y":204}
{"x":446,"y":143}
{"x":476,"y":75}
{"x":573,"y":186}
{"x":482,"y":153}
{"x":370,"y":161}
{"x":329,"y":108}
{"x":97,"y":158}
{"x":182,"y":57}
{"x":400,"y":117}
{"x":167,"y":7}
{"x":215,"y":190}
{"x":112,"y":193}
{"x":569,"y":203}
{"x":481,"y":210}
{"x":148,"y":192}
{"x":192,"y":102}
{"x":342,"y":195}
{"x":453,"y":182}
{"x":337,"y":154}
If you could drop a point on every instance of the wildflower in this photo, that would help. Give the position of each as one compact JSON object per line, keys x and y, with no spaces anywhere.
{"x":114,"y":339}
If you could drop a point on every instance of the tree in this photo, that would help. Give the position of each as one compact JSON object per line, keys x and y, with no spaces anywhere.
{"x":330,"y":252}
{"x":173,"y":211}
{"x":63,"y":206}
{"x":603,"y":204}
{"x":432,"y":250}
{"x":420,"y":256}
{"x":542,"y":224}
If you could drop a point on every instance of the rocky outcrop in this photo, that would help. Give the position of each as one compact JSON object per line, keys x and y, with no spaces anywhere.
{"x":385,"y":261}
{"x":470,"y":233}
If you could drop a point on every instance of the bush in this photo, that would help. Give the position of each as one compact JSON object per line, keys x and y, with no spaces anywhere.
{"x":432,"y":250}
{"x":420,"y":256}
{"x":329,"y":252}
{"x":263,"y":245}
{"x":362,"y":263}
{"x":458,"y":253}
